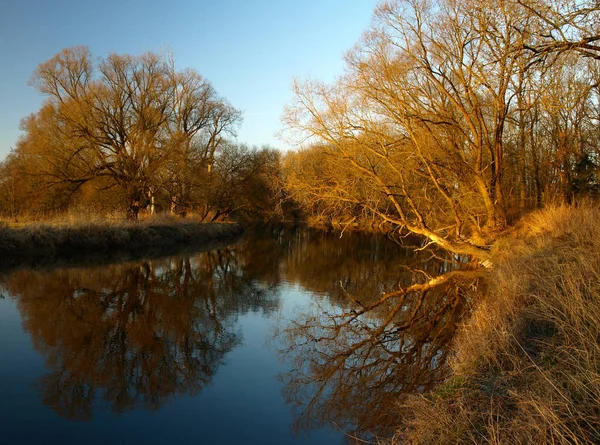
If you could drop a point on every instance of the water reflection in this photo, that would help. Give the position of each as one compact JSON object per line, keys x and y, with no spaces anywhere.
{"x":330,"y":266}
{"x":134,"y":335}
{"x":354,"y":354}
{"x":353,"y":364}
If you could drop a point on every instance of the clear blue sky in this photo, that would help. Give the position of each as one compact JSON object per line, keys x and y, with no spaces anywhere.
{"x":249,"y":50}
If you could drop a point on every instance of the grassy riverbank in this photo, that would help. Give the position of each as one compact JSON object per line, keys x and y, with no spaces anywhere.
{"x":75,"y":238}
{"x":526,"y":367}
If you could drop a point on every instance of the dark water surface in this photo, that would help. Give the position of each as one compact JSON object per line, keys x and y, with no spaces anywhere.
{"x":259,"y":342}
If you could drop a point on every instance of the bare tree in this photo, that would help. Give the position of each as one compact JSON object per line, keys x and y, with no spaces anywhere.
{"x":421,"y":115}
{"x":353,"y":366}
{"x":443,"y":117}
{"x":126,"y":120}
{"x":562,"y":26}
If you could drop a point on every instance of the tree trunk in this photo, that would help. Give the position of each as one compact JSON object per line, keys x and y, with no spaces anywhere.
{"x":136,"y":196}
{"x":488,"y":202}
{"x":535,"y":159}
{"x":498,"y":196}
{"x":523,"y":155}
{"x":152,"y":203}
{"x":565,"y":176}
{"x":133,"y":212}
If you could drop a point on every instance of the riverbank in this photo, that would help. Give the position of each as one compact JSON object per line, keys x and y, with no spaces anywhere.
{"x":40,"y":241}
{"x":526,"y":365}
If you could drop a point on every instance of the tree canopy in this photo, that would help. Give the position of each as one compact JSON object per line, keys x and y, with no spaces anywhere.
{"x":133,"y":120}
{"x":447,"y":112}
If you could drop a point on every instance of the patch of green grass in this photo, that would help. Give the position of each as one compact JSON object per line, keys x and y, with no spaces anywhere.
{"x":450,"y":387}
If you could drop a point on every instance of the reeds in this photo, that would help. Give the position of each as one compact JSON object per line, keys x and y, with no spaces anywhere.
{"x":526,"y":366}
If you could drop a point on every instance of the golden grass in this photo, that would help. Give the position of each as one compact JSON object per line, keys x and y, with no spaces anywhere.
{"x":64,"y":236}
{"x":526,"y":365}
{"x":77,"y":217}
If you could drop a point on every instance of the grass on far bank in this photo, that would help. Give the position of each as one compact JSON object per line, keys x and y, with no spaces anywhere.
{"x":66,"y":234}
{"x":526,"y":367}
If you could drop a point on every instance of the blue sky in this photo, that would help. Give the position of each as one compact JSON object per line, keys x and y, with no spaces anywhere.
{"x":249,"y":50}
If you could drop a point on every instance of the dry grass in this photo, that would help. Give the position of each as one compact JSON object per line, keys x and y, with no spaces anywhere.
{"x":63,"y":237}
{"x":526,"y":367}
{"x":80,"y":216}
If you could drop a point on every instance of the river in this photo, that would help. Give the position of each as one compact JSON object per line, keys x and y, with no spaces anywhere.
{"x":274,"y":339}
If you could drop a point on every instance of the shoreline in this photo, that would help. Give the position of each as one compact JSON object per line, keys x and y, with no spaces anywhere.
{"x":37,"y":244}
{"x":524,"y":366}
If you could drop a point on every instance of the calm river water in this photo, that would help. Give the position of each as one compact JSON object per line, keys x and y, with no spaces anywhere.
{"x":275,"y":339}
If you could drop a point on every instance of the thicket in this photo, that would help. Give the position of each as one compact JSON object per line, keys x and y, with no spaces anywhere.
{"x":451,"y":119}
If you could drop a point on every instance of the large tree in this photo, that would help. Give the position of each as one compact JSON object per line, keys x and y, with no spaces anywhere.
{"x":435,"y":124}
{"x":131,"y":119}
{"x":420,"y":116}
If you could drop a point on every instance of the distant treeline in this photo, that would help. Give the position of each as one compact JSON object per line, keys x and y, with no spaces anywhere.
{"x":450,"y":118}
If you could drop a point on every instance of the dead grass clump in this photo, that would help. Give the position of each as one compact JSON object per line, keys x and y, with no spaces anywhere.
{"x":526,"y":367}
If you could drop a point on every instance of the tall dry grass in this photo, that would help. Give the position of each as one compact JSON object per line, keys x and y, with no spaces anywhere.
{"x":88,"y":234}
{"x":83,"y":215}
{"x":526,"y":367}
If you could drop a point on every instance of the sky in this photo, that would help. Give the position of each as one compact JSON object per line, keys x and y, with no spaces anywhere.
{"x":249,"y":50}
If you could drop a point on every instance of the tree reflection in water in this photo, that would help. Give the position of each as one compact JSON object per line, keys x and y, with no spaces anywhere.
{"x":352,"y":365}
{"x":352,"y":361}
{"x":134,"y":334}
